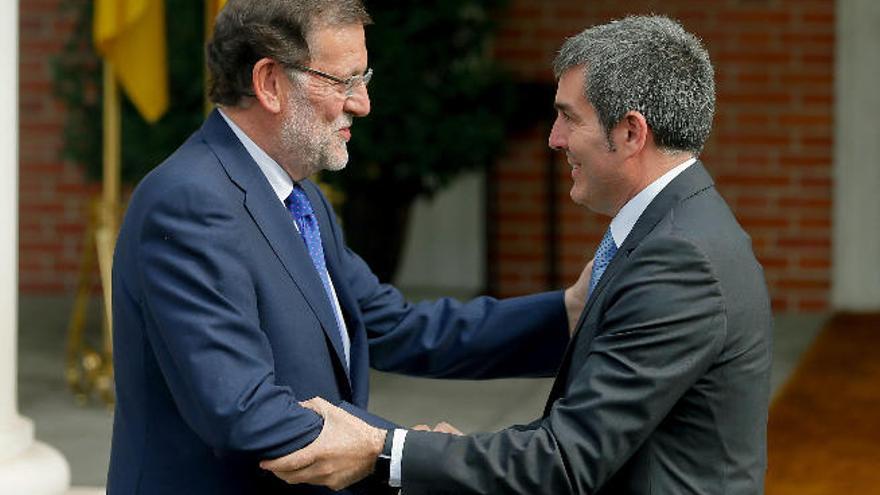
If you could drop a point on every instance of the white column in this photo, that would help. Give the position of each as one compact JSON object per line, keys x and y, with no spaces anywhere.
{"x":26,"y":467}
{"x":856,"y":258}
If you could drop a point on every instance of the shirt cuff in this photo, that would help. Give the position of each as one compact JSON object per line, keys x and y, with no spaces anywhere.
{"x":397,"y":442}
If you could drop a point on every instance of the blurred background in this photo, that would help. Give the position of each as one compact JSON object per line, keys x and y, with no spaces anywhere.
{"x":462,"y":107}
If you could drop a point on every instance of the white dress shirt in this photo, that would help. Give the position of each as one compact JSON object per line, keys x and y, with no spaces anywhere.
{"x":623,"y":223}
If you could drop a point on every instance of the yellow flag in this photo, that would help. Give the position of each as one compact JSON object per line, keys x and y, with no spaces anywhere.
{"x":130,"y":35}
{"x":212,"y":8}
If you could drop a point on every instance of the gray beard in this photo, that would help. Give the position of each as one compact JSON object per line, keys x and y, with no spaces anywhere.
{"x":311,"y":142}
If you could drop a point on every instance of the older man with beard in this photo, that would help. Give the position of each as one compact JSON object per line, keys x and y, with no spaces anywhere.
{"x":234,"y":295}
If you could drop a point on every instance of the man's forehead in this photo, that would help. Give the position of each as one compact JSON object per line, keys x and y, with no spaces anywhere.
{"x":334,"y":34}
{"x":573,"y":76}
{"x":337,"y":41}
{"x":570,"y":86}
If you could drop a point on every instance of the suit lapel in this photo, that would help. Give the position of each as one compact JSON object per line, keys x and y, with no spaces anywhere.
{"x":691,"y":181}
{"x":274,"y":221}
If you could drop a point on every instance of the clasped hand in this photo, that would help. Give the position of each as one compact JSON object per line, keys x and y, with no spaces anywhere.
{"x":344,"y":453}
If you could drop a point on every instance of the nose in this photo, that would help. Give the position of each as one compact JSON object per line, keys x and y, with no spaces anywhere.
{"x":358,"y":104}
{"x":557,"y":139}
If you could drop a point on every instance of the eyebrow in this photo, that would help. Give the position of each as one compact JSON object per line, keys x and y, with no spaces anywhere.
{"x":565,"y":107}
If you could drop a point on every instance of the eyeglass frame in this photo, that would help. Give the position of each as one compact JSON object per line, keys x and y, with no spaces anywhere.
{"x":349,"y":83}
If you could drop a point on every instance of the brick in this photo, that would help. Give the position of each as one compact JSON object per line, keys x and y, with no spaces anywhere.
{"x":754,"y":180}
{"x":750,"y":223}
{"x":756,"y":57}
{"x":822,"y":224}
{"x":779,"y":304}
{"x":803,"y":119}
{"x":823,"y":142}
{"x":813,"y":263}
{"x":774,"y":263}
{"x":803,"y":241}
{"x":796,"y":161}
{"x":824,"y":18}
{"x":803,"y":283}
{"x":756,"y":98}
{"x":756,"y":16}
{"x":813,"y":305}
{"x":806,"y":202}
{"x":751,"y":202}
{"x":824,"y":79}
{"x":818,"y":99}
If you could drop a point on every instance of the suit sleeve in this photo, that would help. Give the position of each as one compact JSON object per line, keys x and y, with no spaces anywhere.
{"x":482,"y":338}
{"x":663,"y":325}
{"x":201,"y":311}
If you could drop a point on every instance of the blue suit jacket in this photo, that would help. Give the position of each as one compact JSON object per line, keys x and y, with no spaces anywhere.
{"x":221,"y":325}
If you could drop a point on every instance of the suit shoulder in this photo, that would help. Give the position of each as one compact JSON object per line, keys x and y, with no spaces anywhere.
{"x":707,"y":221}
{"x":704,"y":224}
{"x":192,"y":169}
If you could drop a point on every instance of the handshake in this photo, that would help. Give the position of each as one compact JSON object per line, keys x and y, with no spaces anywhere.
{"x":344,"y":453}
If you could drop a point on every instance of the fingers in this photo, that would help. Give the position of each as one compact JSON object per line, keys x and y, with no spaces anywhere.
{"x":317,"y":404}
{"x":291,"y":462}
{"x":444,"y":427}
{"x":319,"y":474}
{"x":441,"y":427}
{"x":343,"y":453}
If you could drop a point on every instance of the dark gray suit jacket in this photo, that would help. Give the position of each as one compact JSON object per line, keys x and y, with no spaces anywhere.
{"x":665,"y":387}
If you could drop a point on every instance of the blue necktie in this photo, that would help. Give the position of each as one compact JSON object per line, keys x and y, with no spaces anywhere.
{"x":604,"y":254}
{"x":301,"y":209}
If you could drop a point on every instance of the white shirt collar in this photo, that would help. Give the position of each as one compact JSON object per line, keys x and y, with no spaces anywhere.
{"x":623,"y":223}
{"x":281,"y":183}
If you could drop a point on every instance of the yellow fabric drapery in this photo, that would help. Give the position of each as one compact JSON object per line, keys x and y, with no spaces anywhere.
{"x":130,"y":36}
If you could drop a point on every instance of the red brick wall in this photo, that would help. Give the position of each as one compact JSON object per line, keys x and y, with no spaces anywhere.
{"x":770,"y":150}
{"x":52,"y":194}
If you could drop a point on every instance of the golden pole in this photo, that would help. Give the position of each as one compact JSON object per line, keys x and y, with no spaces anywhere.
{"x":112,"y":144}
{"x":106,"y":235}
{"x":90,"y":370}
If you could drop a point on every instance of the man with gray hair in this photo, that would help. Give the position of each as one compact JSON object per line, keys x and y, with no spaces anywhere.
{"x":235,"y":296}
{"x":665,"y":386}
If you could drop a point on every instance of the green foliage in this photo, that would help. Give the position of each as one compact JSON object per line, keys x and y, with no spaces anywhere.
{"x":439,"y":103}
{"x":77,"y":78}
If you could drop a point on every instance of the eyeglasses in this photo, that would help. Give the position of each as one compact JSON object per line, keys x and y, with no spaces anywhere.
{"x":348,"y":84}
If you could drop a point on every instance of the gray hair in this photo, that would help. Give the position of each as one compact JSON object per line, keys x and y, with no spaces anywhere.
{"x":648,"y":64}
{"x":248,"y":30}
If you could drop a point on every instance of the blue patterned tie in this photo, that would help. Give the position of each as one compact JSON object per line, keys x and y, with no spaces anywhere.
{"x":301,"y":209}
{"x":604,"y":254}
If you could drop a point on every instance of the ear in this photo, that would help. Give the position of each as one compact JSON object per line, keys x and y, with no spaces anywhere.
{"x":268,"y":79}
{"x":632,"y":133}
